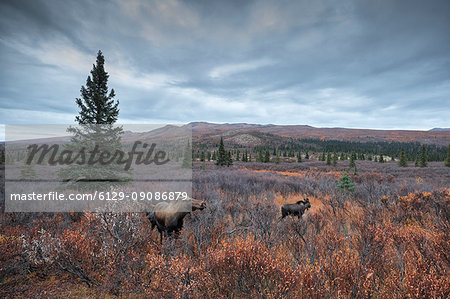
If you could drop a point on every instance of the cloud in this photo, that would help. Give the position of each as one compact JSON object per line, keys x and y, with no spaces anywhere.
{"x":383,"y":64}
{"x":230,"y":69}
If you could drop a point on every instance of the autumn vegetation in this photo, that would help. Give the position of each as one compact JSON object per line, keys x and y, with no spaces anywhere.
{"x":387,"y":237}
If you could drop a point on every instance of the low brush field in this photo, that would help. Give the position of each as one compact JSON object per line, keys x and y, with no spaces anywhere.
{"x":388,"y":237}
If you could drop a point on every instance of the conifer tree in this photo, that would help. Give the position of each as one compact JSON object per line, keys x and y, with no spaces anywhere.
{"x":202,"y":157}
{"x":322,"y":158}
{"x":213,"y":157}
{"x":299,"y":157}
{"x":97,"y":106}
{"x":187,"y":157}
{"x":267,"y":157}
{"x":423,"y":157}
{"x":447,"y":161}
{"x":328,"y":158}
{"x":229,"y":160}
{"x":335,"y":158}
{"x":306,"y":155}
{"x":402,"y":162}
{"x":277,"y":159}
{"x":346,"y":183}
{"x":352,"y":160}
{"x":222,"y":155}
{"x":208,"y":156}
{"x":381,"y":159}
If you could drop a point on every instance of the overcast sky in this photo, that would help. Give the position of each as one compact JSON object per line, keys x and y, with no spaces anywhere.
{"x":358,"y":64}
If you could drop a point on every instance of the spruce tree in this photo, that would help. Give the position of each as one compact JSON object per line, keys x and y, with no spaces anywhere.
{"x":202,"y":157}
{"x":352,"y":160}
{"x":267,"y":157}
{"x":402,"y":162}
{"x":96,"y":104}
{"x":208,"y":156}
{"x":299,"y":157}
{"x":423,"y":157}
{"x":222,"y":156}
{"x":447,"y":161}
{"x":97,"y":107}
{"x":335,"y":158}
{"x":187,"y":157}
{"x":346,"y":183}
{"x":328,"y":158}
{"x":229,"y":160}
{"x":322,"y":158}
{"x":381,"y":159}
{"x":306,"y":155}
{"x":277,"y":159}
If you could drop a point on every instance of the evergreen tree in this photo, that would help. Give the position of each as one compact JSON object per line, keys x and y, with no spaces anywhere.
{"x":222,"y":156}
{"x":277,"y":159}
{"x":245,"y":156}
{"x":402,"y":162}
{"x":346,"y":183}
{"x":328,"y":158}
{"x":335,"y":158}
{"x":97,"y":106}
{"x":27,"y":170}
{"x":306,"y":155}
{"x":447,"y":161}
{"x":202,"y":157}
{"x":261,"y":157}
{"x":229,"y":160}
{"x":381,"y":159}
{"x":208,"y":156}
{"x":322,"y":158}
{"x":187,"y":157}
{"x":267,"y":157}
{"x":352,"y":160}
{"x":214,"y":156}
{"x":423,"y":157}
{"x":299,"y":157}
{"x":416,"y":162}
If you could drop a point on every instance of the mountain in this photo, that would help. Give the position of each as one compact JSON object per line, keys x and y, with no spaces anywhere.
{"x":439,"y":129}
{"x":254,"y":134}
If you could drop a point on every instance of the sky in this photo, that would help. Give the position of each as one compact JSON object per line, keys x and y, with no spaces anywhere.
{"x":355,"y":64}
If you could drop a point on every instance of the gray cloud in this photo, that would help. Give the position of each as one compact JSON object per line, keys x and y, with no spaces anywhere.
{"x":368,"y":64}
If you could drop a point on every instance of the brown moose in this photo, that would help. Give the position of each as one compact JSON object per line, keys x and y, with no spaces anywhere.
{"x":168,"y":217}
{"x":295,"y":209}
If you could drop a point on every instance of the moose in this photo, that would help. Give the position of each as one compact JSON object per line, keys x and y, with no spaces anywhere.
{"x":295,"y":209}
{"x":168,"y":217}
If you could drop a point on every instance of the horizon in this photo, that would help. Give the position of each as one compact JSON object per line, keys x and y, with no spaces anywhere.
{"x":139,"y":129}
{"x":378,"y":66}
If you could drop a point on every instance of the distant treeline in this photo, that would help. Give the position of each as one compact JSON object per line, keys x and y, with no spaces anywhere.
{"x":290,"y":147}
